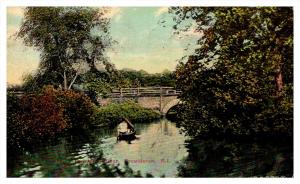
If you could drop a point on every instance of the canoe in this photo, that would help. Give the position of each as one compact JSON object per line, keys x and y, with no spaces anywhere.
{"x":126,"y":135}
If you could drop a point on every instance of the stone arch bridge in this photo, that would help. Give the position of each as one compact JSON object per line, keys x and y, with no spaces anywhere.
{"x":161,"y":99}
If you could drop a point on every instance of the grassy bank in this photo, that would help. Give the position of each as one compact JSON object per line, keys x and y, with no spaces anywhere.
{"x":112,"y":114}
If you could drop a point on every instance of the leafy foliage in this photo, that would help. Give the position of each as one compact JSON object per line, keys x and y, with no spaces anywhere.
{"x":13,"y":123}
{"x":71,"y":41}
{"x":240,"y":79}
{"x":112,"y":114}
{"x":78,"y":108}
{"x":141,"y":78}
{"x":39,"y":117}
{"x":42,"y":116}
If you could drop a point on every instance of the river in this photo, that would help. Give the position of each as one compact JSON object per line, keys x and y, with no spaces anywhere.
{"x":159,"y":150}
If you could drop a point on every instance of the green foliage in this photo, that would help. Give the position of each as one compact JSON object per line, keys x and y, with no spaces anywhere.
{"x":33,"y":82}
{"x":101,"y":88}
{"x":240,"y":80}
{"x":66,"y":37}
{"x":132,"y":78}
{"x":112,"y":114}
{"x":13,"y":123}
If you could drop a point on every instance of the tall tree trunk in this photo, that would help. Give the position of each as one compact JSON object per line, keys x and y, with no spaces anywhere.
{"x":279,"y":81}
{"x":74,"y":79}
{"x":278,"y":74}
{"x":65,"y":81}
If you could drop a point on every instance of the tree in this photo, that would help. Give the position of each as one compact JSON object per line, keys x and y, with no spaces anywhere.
{"x":240,"y":79}
{"x":71,"y":41}
{"x":135,"y":78}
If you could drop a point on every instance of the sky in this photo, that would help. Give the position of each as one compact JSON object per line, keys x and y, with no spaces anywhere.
{"x":144,"y":35}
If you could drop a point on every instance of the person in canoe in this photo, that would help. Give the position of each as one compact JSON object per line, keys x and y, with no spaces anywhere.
{"x":125,"y":130}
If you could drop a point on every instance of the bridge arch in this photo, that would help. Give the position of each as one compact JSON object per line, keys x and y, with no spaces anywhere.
{"x":156,"y":98}
{"x":169,"y":105}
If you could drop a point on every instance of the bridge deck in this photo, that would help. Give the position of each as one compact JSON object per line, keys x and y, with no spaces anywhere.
{"x":144,"y":91}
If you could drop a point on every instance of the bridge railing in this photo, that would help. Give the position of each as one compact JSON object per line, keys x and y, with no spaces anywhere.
{"x":145,"y":91}
{"x":133,"y":92}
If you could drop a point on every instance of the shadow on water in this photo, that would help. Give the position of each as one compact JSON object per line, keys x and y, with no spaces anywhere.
{"x":235,"y":158}
{"x":60,"y":158}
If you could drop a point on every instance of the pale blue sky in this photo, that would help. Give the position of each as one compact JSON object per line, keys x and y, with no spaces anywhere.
{"x":144,"y":42}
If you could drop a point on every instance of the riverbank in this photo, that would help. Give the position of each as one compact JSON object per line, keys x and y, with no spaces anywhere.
{"x":110,"y":115}
{"x":44,"y":116}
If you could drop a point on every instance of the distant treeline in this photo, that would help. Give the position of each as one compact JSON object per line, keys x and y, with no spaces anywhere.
{"x":134,"y":78}
{"x":124,"y":78}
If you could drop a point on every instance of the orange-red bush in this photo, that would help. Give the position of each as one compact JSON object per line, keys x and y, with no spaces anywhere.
{"x":78,"y":108}
{"x":41,"y":116}
{"x":47,"y":114}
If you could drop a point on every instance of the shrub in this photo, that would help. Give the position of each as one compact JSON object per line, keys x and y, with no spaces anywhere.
{"x":37,"y":117}
{"x":112,"y":114}
{"x":13,"y":123}
{"x":33,"y":118}
{"x":78,"y":108}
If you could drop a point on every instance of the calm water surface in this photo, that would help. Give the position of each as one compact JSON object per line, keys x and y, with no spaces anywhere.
{"x":158,"y":150}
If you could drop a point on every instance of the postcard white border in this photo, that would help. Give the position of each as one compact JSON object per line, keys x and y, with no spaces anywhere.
{"x":141,"y":3}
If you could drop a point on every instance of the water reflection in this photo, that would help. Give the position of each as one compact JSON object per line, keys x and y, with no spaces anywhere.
{"x":160,"y":150}
{"x":157,"y":150}
{"x":238,"y":158}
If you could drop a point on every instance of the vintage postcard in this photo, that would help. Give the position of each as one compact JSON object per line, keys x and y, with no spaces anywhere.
{"x":177,"y":91}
